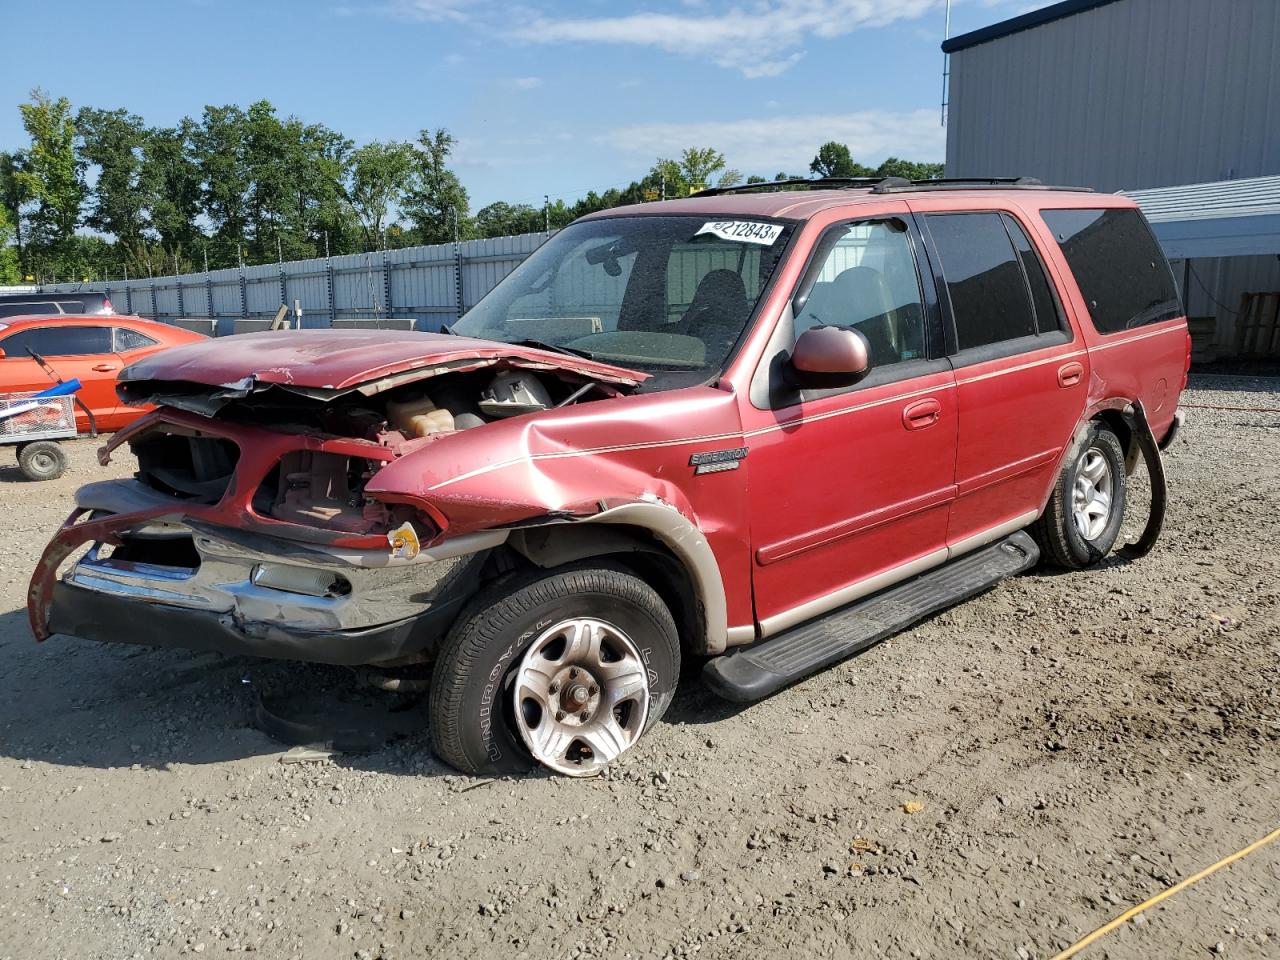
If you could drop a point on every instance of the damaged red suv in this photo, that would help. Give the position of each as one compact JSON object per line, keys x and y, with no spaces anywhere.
{"x":766,"y":427}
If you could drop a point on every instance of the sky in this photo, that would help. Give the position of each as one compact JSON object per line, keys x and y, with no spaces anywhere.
{"x":544,"y":97}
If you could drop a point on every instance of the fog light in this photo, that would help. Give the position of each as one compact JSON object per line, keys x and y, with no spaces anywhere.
{"x":304,"y":580}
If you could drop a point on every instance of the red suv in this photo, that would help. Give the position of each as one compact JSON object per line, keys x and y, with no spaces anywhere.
{"x":765,"y":427}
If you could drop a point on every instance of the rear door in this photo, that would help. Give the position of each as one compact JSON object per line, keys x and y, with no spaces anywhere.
{"x":75,"y":351}
{"x":1021,"y":371}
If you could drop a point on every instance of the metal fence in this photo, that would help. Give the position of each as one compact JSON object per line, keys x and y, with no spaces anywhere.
{"x":418,"y":286}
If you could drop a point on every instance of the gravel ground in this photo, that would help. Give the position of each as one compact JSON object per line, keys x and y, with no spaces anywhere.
{"x":1076,"y":743}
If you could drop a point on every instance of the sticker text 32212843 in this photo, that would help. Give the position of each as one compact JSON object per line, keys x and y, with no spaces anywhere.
{"x":744,"y":231}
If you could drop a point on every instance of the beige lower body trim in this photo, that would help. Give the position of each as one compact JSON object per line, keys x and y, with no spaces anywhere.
{"x":740,"y":636}
{"x":984,"y":537}
{"x":856,"y":591}
{"x":807,"y":611}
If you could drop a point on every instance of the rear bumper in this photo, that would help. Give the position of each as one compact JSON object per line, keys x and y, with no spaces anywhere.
{"x":1179,"y":417}
{"x":93,"y":615}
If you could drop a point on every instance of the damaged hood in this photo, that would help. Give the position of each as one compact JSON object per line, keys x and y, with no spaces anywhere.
{"x":327,"y":363}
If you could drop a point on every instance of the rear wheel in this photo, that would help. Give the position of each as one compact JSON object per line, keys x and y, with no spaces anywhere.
{"x":42,"y":460}
{"x":567,"y":669}
{"x":1082,"y":520}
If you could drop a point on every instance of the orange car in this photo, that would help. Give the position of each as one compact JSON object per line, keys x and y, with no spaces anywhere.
{"x":91,"y":349}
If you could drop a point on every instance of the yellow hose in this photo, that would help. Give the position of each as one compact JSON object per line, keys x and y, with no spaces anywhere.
{"x":1132,"y":912}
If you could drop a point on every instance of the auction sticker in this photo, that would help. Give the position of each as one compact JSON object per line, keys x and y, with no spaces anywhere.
{"x":744,"y":231}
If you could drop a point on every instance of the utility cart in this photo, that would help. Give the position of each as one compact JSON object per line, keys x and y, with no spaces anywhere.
{"x":35,"y":422}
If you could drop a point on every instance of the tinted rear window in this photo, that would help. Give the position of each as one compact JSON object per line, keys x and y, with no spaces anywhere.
{"x":989,"y":297}
{"x":1121,"y":271}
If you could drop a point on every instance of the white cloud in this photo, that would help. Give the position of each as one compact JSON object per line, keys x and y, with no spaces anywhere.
{"x":526,"y":83}
{"x":761,"y":38}
{"x":432,"y":11}
{"x":769,"y":144}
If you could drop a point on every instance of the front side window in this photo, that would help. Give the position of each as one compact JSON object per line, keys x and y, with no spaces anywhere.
{"x":989,"y":297}
{"x":669,"y":296}
{"x":1121,"y":271}
{"x":867,"y":281}
{"x":68,"y":341}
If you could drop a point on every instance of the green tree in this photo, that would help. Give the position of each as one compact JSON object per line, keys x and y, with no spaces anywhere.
{"x":172,"y":178}
{"x":320,"y":205}
{"x":218,"y":149}
{"x":503,"y":219}
{"x":112,"y":142}
{"x":695,"y":170}
{"x":49,"y":177}
{"x":9,"y":270}
{"x":893,"y":167}
{"x":436,"y":203}
{"x":834,"y":160}
{"x":11,"y":200}
{"x":380,"y":174}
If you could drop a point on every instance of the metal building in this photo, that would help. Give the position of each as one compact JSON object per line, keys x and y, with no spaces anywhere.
{"x":1128,"y":95}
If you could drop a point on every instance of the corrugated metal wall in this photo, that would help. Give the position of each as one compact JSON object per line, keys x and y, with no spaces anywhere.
{"x":1137,"y":93}
{"x":421,"y":282}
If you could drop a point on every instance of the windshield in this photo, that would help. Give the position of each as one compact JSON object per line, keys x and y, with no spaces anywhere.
{"x":666,"y":295}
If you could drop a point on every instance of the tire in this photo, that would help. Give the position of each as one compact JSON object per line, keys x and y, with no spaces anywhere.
{"x":1071,"y":532}
{"x":510,"y":629}
{"x":42,"y":460}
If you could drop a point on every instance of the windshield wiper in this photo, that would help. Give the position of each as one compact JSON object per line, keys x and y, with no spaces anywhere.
{"x":554,"y":348}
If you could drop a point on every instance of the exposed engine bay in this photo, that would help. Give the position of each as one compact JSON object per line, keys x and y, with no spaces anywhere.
{"x":325,"y":489}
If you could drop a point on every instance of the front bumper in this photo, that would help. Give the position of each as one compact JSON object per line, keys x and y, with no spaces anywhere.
{"x":93,"y":615}
{"x":241,"y":592}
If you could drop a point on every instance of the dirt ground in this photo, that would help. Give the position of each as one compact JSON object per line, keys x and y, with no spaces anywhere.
{"x":1078,"y":743}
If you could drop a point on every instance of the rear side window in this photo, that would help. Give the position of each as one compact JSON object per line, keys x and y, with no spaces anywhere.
{"x":127,"y":339}
{"x":984,"y":278}
{"x":77,"y":341}
{"x":1122,"y":273}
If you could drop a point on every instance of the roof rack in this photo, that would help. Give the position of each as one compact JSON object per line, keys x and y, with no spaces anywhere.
{"x":902,"y":185}
{"x":890,"y":185}
{"x":813,"y":183}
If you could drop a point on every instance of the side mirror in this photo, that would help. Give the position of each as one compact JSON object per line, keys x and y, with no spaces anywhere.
{"x":828,"y":357}
{"x":2,"y":354}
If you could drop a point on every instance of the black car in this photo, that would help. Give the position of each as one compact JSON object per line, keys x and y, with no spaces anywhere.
{"x":51,"y":304}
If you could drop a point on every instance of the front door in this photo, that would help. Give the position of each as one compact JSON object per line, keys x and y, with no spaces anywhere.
{"x":850,"y":489}
{"x":75,"y":351}
{"x":1021,"y":373}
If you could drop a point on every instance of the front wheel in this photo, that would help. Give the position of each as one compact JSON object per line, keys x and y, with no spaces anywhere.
{"x":1082,"y":520}
{"x":566,"y":669}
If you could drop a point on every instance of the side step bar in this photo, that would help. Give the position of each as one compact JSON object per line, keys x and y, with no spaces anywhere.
{"x":764,"y":669}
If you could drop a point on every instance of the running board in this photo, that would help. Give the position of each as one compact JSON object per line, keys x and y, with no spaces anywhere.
{"x":764,"y":669}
